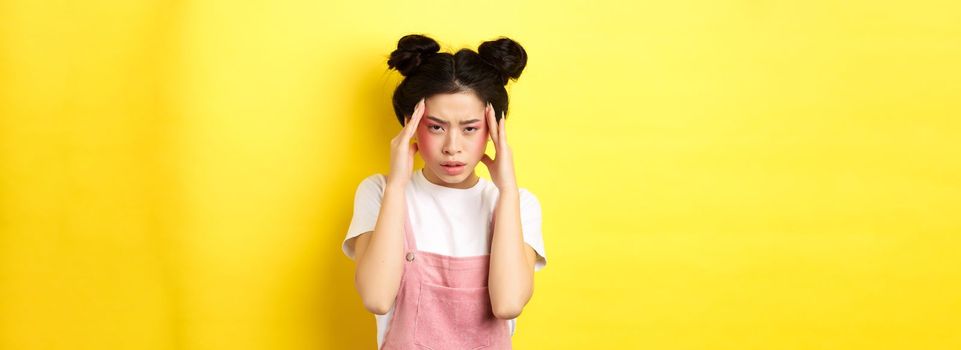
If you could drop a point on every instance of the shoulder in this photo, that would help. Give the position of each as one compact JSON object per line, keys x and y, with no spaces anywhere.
{"x":528,"y":199}
{"x":526,"y":194}
{"x":371,"y":187}
{"x":378,"y":181}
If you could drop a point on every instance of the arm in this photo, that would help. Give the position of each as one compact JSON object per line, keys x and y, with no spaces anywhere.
{"x":511,"y":280}
{"x":380,"y":255}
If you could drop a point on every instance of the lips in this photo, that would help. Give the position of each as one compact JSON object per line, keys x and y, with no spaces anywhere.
{"x":453,"y":167}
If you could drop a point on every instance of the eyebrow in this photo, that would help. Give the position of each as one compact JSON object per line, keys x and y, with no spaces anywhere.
{"x":438,"y":120}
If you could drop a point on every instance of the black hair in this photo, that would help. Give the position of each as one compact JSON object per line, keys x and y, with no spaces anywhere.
{"x":427,"y":72}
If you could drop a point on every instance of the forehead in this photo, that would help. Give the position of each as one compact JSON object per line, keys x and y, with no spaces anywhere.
{"x":455,"y":107}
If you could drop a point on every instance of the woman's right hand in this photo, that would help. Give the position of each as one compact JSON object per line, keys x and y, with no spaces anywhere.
{"x":402,"y":151}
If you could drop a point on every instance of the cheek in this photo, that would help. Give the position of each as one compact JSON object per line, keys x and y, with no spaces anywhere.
{"x":420,"y":134}
{"x":481,"y":141}
{"x":479,"y":144}
{"x":427,"y":143}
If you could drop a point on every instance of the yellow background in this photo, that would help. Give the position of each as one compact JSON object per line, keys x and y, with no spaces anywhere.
{"x":713,"y":174}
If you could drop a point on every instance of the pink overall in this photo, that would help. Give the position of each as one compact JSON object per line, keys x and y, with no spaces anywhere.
{"x":443,"y":303}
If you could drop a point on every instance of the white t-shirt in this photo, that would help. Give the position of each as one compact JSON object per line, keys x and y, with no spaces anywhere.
{"x":448,"y":221}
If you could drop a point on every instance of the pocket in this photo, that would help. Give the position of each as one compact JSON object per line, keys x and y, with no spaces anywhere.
{"x":453,"y":318}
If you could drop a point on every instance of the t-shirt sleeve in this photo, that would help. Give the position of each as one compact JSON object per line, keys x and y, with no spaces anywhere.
{"x":367,"y":201}
{"x":531,"y":226}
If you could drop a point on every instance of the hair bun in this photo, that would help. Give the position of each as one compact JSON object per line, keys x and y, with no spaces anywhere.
{"x":411,"y":51}
{"x":506,"y":55}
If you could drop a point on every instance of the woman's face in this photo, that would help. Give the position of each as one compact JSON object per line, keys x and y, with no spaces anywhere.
{"x":452,"y":138}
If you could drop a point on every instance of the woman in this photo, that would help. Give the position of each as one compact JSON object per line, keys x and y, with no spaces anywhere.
{"x":445,"y":259}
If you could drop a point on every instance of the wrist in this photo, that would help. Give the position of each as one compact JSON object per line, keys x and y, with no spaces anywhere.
{"x":509,"y":192}
{"x":395,"y":186}
{"x":507,"y":185}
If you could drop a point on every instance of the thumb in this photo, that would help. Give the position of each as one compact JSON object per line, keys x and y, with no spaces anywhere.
{"x":487,"y":160}
{"x":413,"y":149}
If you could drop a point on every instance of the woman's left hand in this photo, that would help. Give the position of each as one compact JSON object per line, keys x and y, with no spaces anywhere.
{"x":502,"y":167}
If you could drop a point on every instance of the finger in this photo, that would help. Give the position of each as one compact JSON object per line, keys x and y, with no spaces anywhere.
{"x":497,"y":132}
{"x":413,"y":149}
{"x":491,"y":123}
{"x":411,"y":123}
{"x":502,"y":130}
{"x":411,"y":126}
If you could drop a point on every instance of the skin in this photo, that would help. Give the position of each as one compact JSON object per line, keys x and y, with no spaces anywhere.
{"x":470,"y":123}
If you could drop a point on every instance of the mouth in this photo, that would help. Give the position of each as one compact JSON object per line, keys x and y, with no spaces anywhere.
{"x":453,"y":168}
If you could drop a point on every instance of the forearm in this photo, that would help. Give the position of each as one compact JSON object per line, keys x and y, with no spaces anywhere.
{"x":380,"y":268}
{"x":511,"y":276}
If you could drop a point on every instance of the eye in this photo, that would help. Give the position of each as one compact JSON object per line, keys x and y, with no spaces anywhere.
{"x":470,"y":129}
{"x":431,"y":127}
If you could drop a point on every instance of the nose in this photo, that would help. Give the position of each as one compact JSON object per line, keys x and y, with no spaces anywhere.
{"x":452,"y":144}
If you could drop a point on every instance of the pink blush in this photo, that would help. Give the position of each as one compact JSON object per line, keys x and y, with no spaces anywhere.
{"x":427,"y":143}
